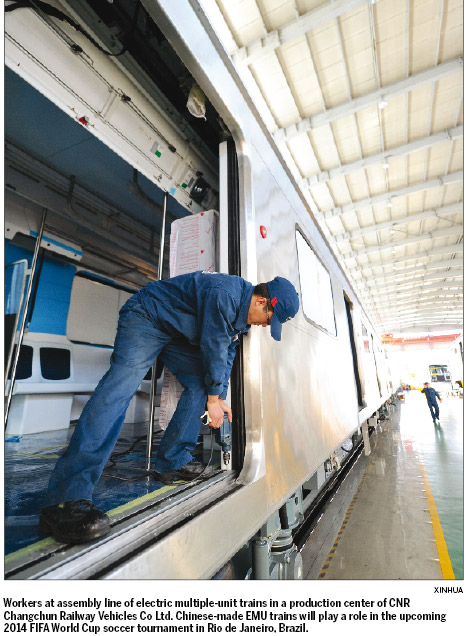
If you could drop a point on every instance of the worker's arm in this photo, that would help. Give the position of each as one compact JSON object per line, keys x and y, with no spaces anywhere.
{"x":218,"y":312}
{"x":232,"y":350}
{"x":230,"y":358}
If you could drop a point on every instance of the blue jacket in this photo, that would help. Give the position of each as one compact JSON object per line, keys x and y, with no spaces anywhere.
{"x":431,"y":395}
{"x":209,"y":310}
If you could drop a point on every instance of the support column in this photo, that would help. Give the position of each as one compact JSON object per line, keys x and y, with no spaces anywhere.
{"x":153,"y":381}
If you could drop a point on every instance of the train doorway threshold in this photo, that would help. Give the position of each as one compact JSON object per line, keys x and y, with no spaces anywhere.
{"x":140,"y":508}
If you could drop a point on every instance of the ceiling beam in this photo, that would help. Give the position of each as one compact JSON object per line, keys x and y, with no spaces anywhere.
{"x":419,"y":144}
{"x":445,"y":210}
{"x":410,"y":83}
{"x":444,"y":249}
{"x":385,"y":312}
{"x":416,"y":294}
{"x":432,"y":327}
{"x":451,"y":262}
{"x":406,"y":282}
{"x":406,"y":278}
{"x":452,"y":230}
{"x":438,"y":182}
{"x":393,"y":305}
{"x":425,"y":325}
{"x":416,"y":318}
{"x":370,"y":295}
{"x":430,"y":299}
{"x":257,"y":49}
{"x":424,"y":315}
{"x":424,"y":288}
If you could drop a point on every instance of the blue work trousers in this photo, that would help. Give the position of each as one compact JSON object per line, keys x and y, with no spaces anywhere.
{"x":434,"y":408}
{"x":139,"y":340}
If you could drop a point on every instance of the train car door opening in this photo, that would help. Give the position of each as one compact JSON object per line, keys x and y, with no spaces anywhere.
{"x":101,"y":171}
{"x":352,"y":340}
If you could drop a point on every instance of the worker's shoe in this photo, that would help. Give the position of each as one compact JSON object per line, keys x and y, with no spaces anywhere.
{"x":194,"y":469}
{"x":74,"y":521}
{"x":188,"y":472}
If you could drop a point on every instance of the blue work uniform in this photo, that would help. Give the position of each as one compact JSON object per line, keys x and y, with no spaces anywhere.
{"x":193,"y":323}
{"x":431,"y":395}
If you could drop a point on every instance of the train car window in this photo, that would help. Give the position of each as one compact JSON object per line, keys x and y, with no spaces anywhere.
{"x":315,"y":286}
{"x":94,"y":311}
{"x":439,"y":373}
{"x":24,"y":367}
{"x":365,"y":339}
{"x":15,"y":274}
{"x":55,"y":363}
{"x":14,"y":285}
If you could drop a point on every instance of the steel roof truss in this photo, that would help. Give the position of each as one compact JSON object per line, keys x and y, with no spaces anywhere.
{"x":410,"y":83}
{"x":399,"y":151}
{"x":311,"y":20}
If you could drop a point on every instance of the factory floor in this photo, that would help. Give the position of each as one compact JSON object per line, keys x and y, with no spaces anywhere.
{"x":399,"y":513}
{"x":124,"y":487}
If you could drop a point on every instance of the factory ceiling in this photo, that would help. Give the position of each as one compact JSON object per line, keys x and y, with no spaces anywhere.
{"x":365,"y":100}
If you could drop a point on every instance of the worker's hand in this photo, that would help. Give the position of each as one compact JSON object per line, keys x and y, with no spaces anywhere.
{"x":226,"y":409}
{"x":216,"y":412}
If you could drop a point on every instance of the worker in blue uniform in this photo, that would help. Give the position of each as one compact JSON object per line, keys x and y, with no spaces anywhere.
{"x":431,"y":395}
{"x":192,"y":323}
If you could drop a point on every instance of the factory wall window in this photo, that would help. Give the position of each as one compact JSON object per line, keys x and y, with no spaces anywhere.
{"x":315,"y":286}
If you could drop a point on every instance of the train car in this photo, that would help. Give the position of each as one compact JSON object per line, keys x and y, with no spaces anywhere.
{"x":455,"y":364}
{"x":122,"y":120}
{"x":441,"y":378}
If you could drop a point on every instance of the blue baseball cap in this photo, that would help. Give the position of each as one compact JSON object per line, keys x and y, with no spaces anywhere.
{"x":285,"y":303}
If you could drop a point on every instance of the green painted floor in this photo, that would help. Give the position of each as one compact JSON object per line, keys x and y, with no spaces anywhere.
{"x":387,"y":519}
{"x":441,"y":448}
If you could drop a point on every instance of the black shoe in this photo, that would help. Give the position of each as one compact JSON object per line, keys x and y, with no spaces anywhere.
{"x":194,"y":469}
{"x":74,"y":522}
{"x":188,"y":472}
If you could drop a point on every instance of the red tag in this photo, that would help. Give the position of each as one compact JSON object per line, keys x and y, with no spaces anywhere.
{"x":274,"y":301}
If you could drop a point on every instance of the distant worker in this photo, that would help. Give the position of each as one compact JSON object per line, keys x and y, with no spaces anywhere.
{"x":192,"y":323}
{"x":431,"y":395}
